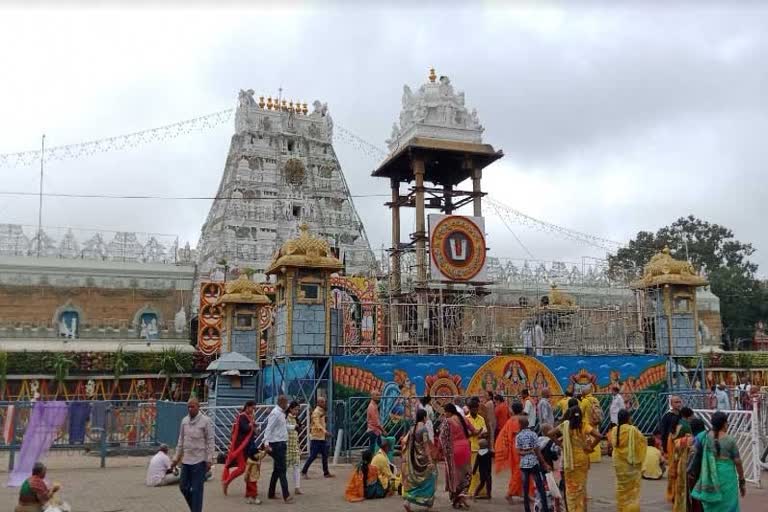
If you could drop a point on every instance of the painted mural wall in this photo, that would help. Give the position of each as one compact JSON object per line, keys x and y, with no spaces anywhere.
{"x":402,"y":376}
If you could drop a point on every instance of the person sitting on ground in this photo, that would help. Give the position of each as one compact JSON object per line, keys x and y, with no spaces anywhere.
{"x":385,"y":468}
{"x":653,"y":465}
{"x":364,"y":482}
{"x":34,"y":493}
{"x":160,"y":471}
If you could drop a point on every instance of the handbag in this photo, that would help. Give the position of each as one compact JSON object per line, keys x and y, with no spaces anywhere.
{"x":554,"y":489}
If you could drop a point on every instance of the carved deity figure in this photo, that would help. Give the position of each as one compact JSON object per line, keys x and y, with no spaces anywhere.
{"x":180,"y":321}
{"x":245,"y":98}
{"x":407,"y":96}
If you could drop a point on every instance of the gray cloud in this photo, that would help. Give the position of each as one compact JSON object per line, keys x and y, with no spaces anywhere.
{"x":613,"y":120}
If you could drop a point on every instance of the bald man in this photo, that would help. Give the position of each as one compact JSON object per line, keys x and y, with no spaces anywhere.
{"x":194,"y":451}
{"x":375,"y":429}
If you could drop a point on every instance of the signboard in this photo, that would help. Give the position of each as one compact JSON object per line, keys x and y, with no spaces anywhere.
{"x":457,"y":248}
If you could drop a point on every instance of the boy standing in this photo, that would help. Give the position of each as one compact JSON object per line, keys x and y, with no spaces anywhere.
{"x":483,"y":468}
{"x":531,"y":463}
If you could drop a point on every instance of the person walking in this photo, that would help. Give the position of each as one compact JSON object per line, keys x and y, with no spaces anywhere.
{"x":579,"y":439}
{"x":194,"y":450}
{"x":276,"y":445}
{"x":488,"y":411}
{"x":293,"y":457}
{"x":546,"y":416}
{"x":668,"y":428}
{"x":532,"y":464}
{"x":318,"y":438}
{"x":243,"y":432}
{"x":480,"y":431}
{"x":628,"y":451}
{"x":721,"y":480}
{"x":529,"y":409}
{"x":373,"y":421}
{"x":617,"y":404}
{"x":418,"y":469}
{"x":455,"y":432}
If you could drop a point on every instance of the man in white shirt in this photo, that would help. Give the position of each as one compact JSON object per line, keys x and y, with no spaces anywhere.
{"x":617,"y":404}
{"x":538,"y":339}
{"x":546,"y":416}
{"x":528,"y":408}
{"x":194,"y":451}
{"x":526,"y":335}
{"x":276,"y":444}
{"x":723,"y":400}
{"x":160,"y":470}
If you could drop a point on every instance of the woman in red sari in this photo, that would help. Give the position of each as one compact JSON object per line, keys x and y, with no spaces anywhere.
{"x":454,"y":442}
{"x":243,"y":432}
{"x":506,"y":452}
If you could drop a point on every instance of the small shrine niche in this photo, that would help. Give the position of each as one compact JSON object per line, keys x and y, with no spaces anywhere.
{"x":669,"y":314}
{"x":304,"y":321}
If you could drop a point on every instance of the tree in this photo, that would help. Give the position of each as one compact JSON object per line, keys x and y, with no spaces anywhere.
{"x":713,"y":251}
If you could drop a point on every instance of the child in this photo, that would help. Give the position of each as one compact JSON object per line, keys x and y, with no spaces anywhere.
{"x":551,"y":452}
{"x":483,"y":467}
{"x":532,"y":464}
{"x":252,"y":473}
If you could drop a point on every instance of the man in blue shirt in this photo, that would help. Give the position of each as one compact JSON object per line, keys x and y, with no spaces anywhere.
{"x":531,"y":462}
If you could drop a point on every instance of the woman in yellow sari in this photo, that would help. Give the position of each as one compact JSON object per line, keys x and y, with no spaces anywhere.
{"x":629,"y":445}
{"x":579,"y":439}
{"x":678,"y":466}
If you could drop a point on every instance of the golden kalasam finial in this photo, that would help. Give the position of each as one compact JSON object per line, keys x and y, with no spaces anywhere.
{"x":432,"y":75}
{"x":304,"y":108}
{"x":261,"y":101}
{"x":269,"y":103}
{"x":285,"y":105}
{"x":290,"y":106}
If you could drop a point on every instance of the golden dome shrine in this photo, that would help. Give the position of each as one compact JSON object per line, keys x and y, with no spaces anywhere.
{"x":558,"y":299}
{"x":663,"y":270}
{"x":243,"y":291}
{"x":306,"y":251}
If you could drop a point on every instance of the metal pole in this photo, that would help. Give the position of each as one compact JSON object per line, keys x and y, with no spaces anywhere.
{"x":40,"y":205}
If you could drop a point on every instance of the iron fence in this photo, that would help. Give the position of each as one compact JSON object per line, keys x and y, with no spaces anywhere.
{"x":743,"y":427}
{"x":446,"y":325}
{"x":89,"y":427}
{"x":224,"y":417}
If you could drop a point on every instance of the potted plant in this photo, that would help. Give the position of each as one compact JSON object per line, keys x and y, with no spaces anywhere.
{"x":60,"y":364}
{"x":170,"y":364}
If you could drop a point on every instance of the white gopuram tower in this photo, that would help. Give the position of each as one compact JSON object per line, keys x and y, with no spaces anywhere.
{"x":281,"y":172}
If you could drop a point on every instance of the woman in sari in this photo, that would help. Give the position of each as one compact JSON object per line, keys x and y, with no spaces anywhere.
{"x":628,"y":445}
{"x":419,"y":473}
{"x":454,"y":441}
{"x":579,"y":439}
{"x":243,"y":432}
{"x":722,"y":476}
{"x":690,"y":472}
{"x":678,"y":443}
{"x":506,"y":452}
{"x":364,"y":482}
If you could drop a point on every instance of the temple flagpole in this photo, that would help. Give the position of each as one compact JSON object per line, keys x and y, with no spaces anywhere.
{"x":40,"y":203}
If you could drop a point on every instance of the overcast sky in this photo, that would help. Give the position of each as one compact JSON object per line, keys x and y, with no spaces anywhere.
{"x":612,"y":120}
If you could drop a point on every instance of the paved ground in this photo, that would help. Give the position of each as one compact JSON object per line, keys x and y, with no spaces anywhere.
{"x":119,"y":488}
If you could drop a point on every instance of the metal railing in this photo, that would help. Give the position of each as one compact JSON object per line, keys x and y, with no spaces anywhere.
{"x":443,"y":326}
{"x":744,"y":428}
{"x":224,"y":417}
{"x":90,"y":427}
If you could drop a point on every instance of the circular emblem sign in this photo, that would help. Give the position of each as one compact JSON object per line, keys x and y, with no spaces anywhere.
{"x":458,"y":248}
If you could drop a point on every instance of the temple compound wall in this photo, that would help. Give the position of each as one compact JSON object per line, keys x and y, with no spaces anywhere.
{"x":88,"y":299}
